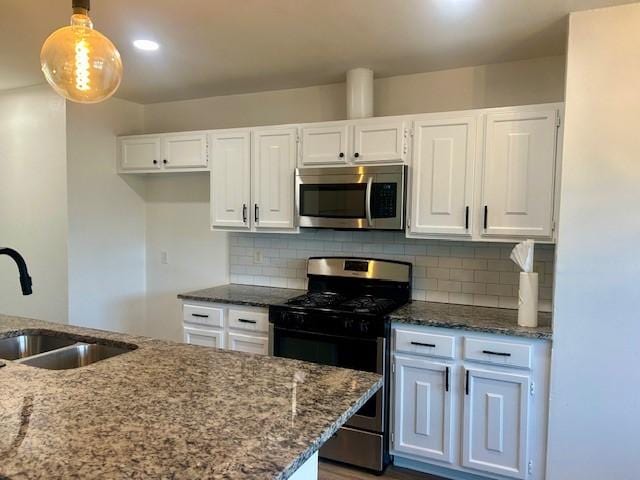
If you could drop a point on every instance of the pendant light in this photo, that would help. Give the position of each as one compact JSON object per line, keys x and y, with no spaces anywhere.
{"x":79,"y":62}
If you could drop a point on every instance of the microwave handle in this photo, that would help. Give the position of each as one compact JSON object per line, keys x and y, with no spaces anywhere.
{"x":368,"y":201}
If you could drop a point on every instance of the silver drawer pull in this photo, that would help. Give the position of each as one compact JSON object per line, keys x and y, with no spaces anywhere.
{"x":420,"y":344}
{"x":199,"y":315}
{"x":244,"y":320}
{"x":500,"y":354}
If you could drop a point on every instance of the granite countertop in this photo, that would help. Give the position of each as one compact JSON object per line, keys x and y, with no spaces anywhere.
{"x":502,"y":321}
{"x":243,"y":295}
{"x":169,"y":410}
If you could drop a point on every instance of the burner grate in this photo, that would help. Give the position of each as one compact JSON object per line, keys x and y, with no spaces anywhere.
{"x":317,"y":299}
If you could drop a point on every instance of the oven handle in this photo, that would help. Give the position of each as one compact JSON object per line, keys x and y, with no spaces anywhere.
{"x":368,"y":201}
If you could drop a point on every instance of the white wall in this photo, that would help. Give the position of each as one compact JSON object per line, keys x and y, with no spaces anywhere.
{"x":516,"y":83}
{"x":178,"y":224}
{"x":106,"y":220}
{"x":594,"y":422}
{"x":33,"y":201}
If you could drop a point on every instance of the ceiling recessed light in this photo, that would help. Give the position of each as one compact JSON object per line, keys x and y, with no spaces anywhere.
{"x":147,"y":45}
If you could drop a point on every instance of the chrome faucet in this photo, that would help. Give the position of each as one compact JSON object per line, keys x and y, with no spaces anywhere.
{"x":25,"y":279}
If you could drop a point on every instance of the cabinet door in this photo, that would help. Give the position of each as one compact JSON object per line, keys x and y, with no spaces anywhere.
{"x":423,"y":402}
{"x":379,"y":142}
{"x":496,"y":417}
{"x":140,"y":153}
{"x":230,"y":180}
{"x":519,"y":172}
{"x":185,"y":150}
{"x":241,"y":342}
{"x":273,"y":169}
{"x":326,"y":145}
{"x":442,"y":176}
{"x":204,"y":337}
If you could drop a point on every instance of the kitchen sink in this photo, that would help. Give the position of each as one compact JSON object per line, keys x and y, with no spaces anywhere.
{"x":14,"y":348}
{"x":75,"y":356}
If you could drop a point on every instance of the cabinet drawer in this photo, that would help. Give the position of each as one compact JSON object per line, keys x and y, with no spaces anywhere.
{"x":240,"y":342}
{"x":499,"y":353}
{"x":251,"y":320}
{"x":198,"y":314}
{"x":420,"y":343}
{"x":204,"y":337}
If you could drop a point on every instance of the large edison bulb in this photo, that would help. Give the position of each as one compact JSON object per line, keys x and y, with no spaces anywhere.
{"x":80,"y":63}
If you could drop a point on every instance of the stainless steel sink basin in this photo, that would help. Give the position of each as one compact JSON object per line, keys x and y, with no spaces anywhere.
{"x":75,"y":356}
{"x":14,"y":348}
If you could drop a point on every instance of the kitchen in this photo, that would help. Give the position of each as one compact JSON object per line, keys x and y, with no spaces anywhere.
{"x":375,"y":198}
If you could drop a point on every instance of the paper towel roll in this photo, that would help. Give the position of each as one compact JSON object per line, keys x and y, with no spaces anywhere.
{"x":528,"y":300}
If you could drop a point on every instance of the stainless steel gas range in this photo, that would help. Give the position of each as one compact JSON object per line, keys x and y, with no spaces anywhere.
{"x":341,"y":321}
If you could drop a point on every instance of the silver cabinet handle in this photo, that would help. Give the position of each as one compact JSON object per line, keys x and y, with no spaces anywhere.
{"x":368,"y":201}
{"x":244,"y":213}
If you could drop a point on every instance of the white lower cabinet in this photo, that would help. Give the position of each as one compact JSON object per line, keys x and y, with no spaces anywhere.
{"x":205,"y":337}
{"x":242,"y":342}
{"x":231,"y":327}
{"x":496,"y":422}
{"x":423,"y":400}
{"x":476,"y":412}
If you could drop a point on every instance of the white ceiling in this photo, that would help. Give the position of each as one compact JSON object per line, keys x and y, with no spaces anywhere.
{"x":218,"y":47}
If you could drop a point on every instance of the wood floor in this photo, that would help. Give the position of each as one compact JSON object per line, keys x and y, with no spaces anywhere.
{"x":333,"y":471}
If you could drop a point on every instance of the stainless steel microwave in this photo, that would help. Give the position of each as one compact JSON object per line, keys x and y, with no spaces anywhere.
{"x":352,"y":198}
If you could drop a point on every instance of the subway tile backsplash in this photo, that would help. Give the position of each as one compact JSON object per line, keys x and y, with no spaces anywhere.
{"x":443,"y":271}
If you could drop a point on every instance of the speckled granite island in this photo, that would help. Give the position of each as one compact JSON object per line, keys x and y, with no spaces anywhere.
{"x":168,"y":410}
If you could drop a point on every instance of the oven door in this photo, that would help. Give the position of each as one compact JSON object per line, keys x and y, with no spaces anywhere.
{"x":366,"y":354}
{"x":350,"y":198}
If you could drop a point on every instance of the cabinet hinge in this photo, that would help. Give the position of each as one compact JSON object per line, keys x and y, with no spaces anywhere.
{"x":405,"y":142}
{"x":532,"y":389}
{"x":530,"y":467}
{"x":558,"y":118}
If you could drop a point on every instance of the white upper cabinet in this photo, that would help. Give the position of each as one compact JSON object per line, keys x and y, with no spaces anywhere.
{"x":423,"y":405}
{"x":325,"y":145}
{"x":496,"y":419}
{"x":379,"y":141}
{"x":185,"y":150}
{"x":442,"y":173}
{"x":273,"y":154}
{"x":231,"y":179}
{"x":354,"y":142}
{"x":519,"y":173}
{"x":140,"y":152}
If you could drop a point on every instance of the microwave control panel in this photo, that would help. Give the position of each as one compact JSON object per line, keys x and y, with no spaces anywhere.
{"x":384,"y":200}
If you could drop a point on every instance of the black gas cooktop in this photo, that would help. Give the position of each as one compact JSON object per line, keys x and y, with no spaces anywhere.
{"x":367,"y":304}
{"x":347,"y":296}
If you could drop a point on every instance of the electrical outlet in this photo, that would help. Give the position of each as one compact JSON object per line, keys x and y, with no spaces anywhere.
{"x":164,"y":258}
{"x":258,"y":258}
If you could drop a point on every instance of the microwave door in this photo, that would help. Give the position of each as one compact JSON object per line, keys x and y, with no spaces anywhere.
{"x":334,"y":201}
